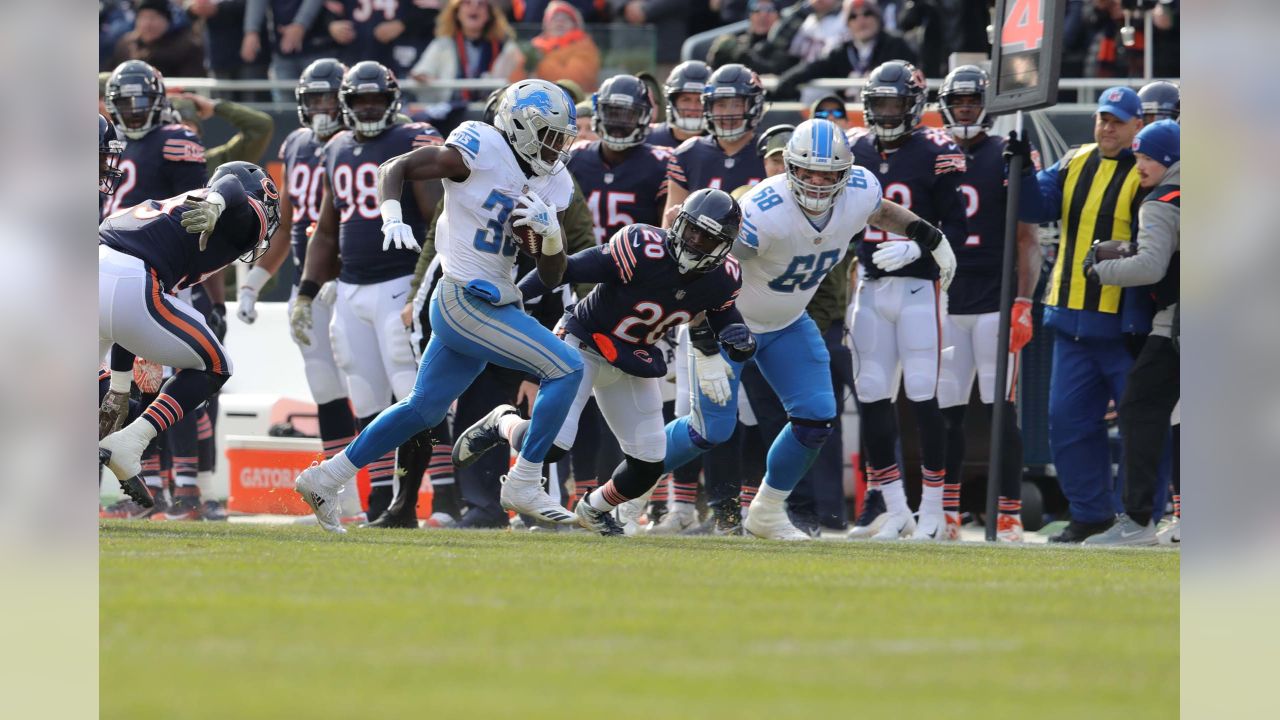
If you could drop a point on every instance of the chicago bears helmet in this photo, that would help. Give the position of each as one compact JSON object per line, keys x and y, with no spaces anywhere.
{"x":621,"y":110}
{"x":540,"y":121}
{"x":893,"y":99}
{"x":317,"y":96}
{"x":817,"y":146}
{"x":109,"y":148}
{"x":704,"y":231}
{"x":258,"y":185}
{"x":1160,"y":101}
{"x":733,"y":81}
{"x":689,"y":76}
{"x":965,"y":81}
{"x":369,"y":79}
{"x":135,"y":98}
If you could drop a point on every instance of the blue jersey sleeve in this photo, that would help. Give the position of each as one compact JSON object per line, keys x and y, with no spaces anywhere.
{"x":1040,"y":198}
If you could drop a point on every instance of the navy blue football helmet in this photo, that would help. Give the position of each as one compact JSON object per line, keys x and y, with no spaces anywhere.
{"x":893,"y":99}
{"x":964,"y":81}
{"x":689,"y":76}
{"x":621,"y":110}
{"x":135,"y":98}
{"x":317,"y":96}
{"x":729,"y":81}
{"x":369,"y":78}
{"x":703,"y":233}
{"x":1160,"y":101}
{"x":109,"y":148}
{"x":259,"y":185}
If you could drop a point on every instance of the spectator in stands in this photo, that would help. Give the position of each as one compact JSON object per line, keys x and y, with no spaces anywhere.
{"x":473,"y":40}
{"x":392,"y":33}
{"x":532,"y":11}
{"x":797,"y":38}
{"x":763,"y":15}
{"x":297,"y":34}
{"x":1107,"y":56}
{"x":564,"y":50}
{"x":223,"y":36}
{"x":942,"y":27}
{"x":669,"y":18}
{"x":868,"y":45}
{"x":174,"y":51}
{"x":115,"y":20}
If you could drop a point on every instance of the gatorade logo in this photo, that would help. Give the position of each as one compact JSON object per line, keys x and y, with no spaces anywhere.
{"x":269,"y":478}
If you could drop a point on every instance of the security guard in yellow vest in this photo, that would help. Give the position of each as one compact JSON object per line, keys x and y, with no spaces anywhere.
{"x":1093,"y":190}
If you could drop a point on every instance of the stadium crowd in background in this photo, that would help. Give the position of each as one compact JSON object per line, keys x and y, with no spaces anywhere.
{"x":660,"y":144}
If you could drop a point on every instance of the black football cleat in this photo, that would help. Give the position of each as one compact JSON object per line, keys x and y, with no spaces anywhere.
{"x":598,"y":521}
{"x":134,"y":487}
{"x":1077,"y":532}
{"x":391,"y":520}
{"x":479,"y":438}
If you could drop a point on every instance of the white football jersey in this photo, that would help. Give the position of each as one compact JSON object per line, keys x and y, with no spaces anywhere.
{"x":473,"y":233}
{"x":792,"y":257}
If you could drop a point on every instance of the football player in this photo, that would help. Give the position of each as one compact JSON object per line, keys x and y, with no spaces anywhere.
{"x":623,"y":177}
{"x":147,"y":252}
{"x":490,"y":174}
{"x":971,"y":326}
{"x":110,"y":147}
{"x":649,"y":280}
{"x":304,"y":172}
{"x":897,"y":317}
{"x":683,"y":91}
{"x":1160,"y":101}
{"x":796,"y":227}
{"x":370,"y":344}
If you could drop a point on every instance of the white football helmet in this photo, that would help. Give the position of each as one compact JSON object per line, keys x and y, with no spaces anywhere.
{"x":540,"y":122}
{"x":817,"y":145}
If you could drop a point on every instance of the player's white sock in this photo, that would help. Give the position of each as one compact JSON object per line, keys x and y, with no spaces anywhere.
{"x":895,"y":499}
{"x":525,"y":470}
{"x":140,"y":431}
{"x":931,"y":495}
{"x":337,"y":471}
{"x":771,"y":495}
{"x":349,"y":499}
{"x":507,"y":424}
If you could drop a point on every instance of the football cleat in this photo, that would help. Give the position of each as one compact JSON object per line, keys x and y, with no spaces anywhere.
{"x":953,"y":526}
{"x":872,"y":517}
{"x":1009,"y":528}
{"x":323,"y":502}
{"x":932,"y":527}
{"x":1170,"y":531}
{"x":678,"y":518}
{"x":530,"y":499}
{"x":770,"y":522}
{"x":440,"y":521}
{"x":629,"y":513}
{"x":1076,"y":532}
{"x":126,"y":509}
{"x":1126,"y":532}
{"x":599,"y":521}
{"x":183,"y":508}
{"x":122,"y":454}
{"x":727,"y":517}
{"x":395,"y":520}
{"x":214,"y":511}
{"x":898,"y":525}
{"x":480,"y":438}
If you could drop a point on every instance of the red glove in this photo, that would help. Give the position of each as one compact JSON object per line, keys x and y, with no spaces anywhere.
{"x":1020,"y":325}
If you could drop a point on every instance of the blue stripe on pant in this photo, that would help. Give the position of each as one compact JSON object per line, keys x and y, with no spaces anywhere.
{"x":467,"y":334}
{"x":1086,"y":374}
{"x":795,"y":362}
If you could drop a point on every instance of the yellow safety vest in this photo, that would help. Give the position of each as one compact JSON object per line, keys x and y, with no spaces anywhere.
{"x":1097,"y":203}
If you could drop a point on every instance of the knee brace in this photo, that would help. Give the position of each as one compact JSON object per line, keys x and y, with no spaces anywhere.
{"x":634,"y":477}
{"x":811,"y":433}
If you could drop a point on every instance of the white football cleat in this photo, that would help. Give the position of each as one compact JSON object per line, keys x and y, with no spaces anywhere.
{"x":530,"y":499}
{"x":323,"y":502}
{"x":896,"y":525}
{"x":770,"y":522}
{"x":121,"y":452}
{"x":1009,"y":528}
{"x":628,"y":514}
{"x":871,"y":519}
{"x":953,"y":527}
{"x":1170,"y":532}
{"x":931,"y":527}
{"x":680,"y":517}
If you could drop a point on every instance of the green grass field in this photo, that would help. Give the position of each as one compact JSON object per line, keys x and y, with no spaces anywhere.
{"x":234,"y":621}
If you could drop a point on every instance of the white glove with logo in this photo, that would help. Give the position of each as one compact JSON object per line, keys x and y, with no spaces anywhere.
{"x":328,"y":293}
{"x":203,"y":215}
{"x":248,"y":297}
{"x":541,"y":218}
{"x":713,"y":373}
{"x":946,"y":260}
{"x":896,"y":254}
{"x":300,"y":321}
{"x":395,"y":234}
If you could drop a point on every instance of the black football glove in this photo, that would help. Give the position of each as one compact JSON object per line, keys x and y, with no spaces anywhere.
{"x":218,"y":321}
{"x":1090,"y":258}
{"x":738,"y":342}
{"x":1019,"y":148}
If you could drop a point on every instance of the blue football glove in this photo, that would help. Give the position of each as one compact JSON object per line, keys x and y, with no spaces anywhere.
{"x":738,"y":341}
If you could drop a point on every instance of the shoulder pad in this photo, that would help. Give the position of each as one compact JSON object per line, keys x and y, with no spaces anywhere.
{"x":182,"y":145}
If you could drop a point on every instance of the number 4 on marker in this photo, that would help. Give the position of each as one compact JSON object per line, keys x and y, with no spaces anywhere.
{"x":1023,"y":26}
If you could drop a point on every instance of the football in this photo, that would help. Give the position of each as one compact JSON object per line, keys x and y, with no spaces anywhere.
{"x":529,"y":242}
{"x":1113,"y":249}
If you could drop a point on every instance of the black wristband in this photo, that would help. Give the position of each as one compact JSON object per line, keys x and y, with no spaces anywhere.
{"x":704,"y":339}
{"x":925,"y":235}
{"x":308,"y":289}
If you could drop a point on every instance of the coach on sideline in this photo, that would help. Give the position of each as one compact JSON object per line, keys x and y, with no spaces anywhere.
{"x":1152,"y":388}
{"x":1093,"y":190}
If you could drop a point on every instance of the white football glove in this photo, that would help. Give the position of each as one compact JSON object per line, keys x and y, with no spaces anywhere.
{"x":896,"y":254}
{"x":541,"y":219}
{"x":248,"y":297}
{"x":395,"y":234}
{"x":946,"y":260}
{"x":713,"y":373}
{"x":300,"y":321}
{"x":203,"y":215}
{"x":328,"y":293}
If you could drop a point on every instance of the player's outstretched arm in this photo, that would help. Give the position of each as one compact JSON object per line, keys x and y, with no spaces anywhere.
{"x":434,"y":162}
{"x":593,"y":265}
{"x":551,"y":266}
{"x":896,"y":254}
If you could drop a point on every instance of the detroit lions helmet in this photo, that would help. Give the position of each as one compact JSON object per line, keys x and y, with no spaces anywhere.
{"x":817,"y":146}
{"x":703,"y":233}
{"x":317,"y":96}
{"x":621,"y":109}
{"x":540,"y":122}
{"x":369,"y":78}
{"x":135,"y":98}
{"x":110,"y":146}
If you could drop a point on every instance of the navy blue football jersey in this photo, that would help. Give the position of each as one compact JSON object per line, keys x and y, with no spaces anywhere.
{"x":922,"y":175}
{"x":351,"y":169}
{"x":640,"y":295}
{"x":660,"y":134}
{"x":976,"y":287}
{"x":303,"y":157}
{"x":153,"y":233}
{"x":165,"y":162}
{"x":700,"y":163}
{"x":635,"y":191}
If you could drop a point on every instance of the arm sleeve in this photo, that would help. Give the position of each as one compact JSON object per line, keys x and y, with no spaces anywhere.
{"x":255,"y":128}
{"x":307,"y":13}
{"x":593,"y":265}
{"x":675,"y":172}
{"x":721,"y":319}
{"x":255,"y":12}
{"x":1041,"y":195}
{"x":1157,"y":240}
